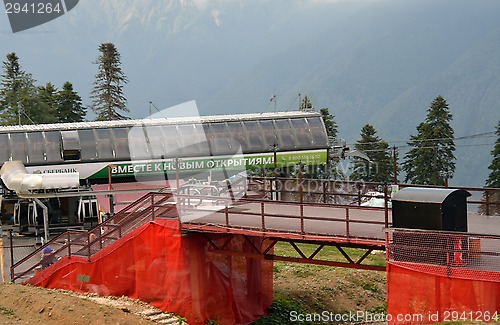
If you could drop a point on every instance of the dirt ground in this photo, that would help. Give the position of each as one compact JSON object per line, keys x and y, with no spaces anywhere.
{"x":337,"y":290}
{"x":32,"y":305}
{"x":317,"y":288}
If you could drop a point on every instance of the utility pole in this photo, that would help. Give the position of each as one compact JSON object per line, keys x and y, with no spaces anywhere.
{"x":395,"y":164}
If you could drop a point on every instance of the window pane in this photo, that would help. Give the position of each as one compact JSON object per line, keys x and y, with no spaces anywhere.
{"x":17,"y":146}
{"x":237,"y":135}
{"x":317,"y":131}
{"x":302,"y":133}
{"x":53,"y":146}
{"x":171,"y":144}
{"x":88,"y":144}
{"x":138,"y":145}
{"x":120,"y":139}
{"x":156,"y":141}
{"x":4,"y":148}
{"x":218,"y":138}
{"x":189,"y":140}
{"x":104,"y":144}
{"x":285,"y":135}
{"x":269,"y":134}
{"x":254,"y":134}
{"x":36,"y":147}
{"x":201,"y":140}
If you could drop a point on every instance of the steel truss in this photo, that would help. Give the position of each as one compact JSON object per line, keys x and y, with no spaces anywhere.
{"x":265,"y":251}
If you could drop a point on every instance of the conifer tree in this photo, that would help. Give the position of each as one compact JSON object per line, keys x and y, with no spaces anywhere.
{"x":107,"y":95}
{"x":18,"y":93}
{"x":69,"y":105}
{"x":45,"y":111}
{"x":431,"y":160}
{"x":330,"y":124}
{"x":493,"y":181}
{"x":379,"y":168}
{"x":494,"y":177}
{"x":306,"y":105}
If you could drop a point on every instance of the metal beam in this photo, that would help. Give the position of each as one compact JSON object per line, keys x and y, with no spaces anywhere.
{"x":301,"y":260}
{"x":263,"y":253}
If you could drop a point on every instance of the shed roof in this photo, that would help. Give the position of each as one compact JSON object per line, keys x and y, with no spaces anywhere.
{"x":426,"y":195}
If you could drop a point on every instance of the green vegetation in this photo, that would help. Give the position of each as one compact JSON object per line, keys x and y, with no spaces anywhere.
{"x":493,"y":180}
{"x":307,"y":289}
{"x":21,"y":102}
{"x":313,"y":289}
{"x":431,"y":161}
{"x":107,"y":94}
{"x":494,"y":177}
{"x":18,"y":93}
{"x":7,"y":312}
{"x":69,"y":105}
{"x":330,"y":124}
{"x":379,"y":168}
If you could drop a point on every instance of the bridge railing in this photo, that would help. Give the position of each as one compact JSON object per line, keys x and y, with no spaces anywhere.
{"x":265,"y":216}
{"x":344,"y":192}
{"x":86,"y":243}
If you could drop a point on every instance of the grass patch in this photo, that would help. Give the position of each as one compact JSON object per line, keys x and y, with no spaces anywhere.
{"x":281,"y":312}
{"x":311,"y":289}
{"x":8,"y":312}
{"x":330,"y":253}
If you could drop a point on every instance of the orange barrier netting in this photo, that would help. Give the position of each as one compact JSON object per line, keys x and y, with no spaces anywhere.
{"x":437,"y":277}
{"x":174,"y":272}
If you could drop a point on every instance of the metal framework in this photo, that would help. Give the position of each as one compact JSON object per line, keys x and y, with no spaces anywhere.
{"x":267,"y":252}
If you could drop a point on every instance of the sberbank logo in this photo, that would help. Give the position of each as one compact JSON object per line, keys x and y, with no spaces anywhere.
{"x":26,"y":14}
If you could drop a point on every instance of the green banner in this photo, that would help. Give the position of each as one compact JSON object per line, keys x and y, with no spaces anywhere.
{"x":238,"y":162}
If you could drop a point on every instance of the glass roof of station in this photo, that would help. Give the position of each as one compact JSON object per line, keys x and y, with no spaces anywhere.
{"x":163,"y":138}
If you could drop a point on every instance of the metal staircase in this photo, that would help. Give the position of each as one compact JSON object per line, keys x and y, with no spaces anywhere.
{"x":86,"y":243}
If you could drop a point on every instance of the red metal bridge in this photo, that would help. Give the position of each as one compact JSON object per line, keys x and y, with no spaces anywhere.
{"x":322,"y":224}
{"x":250,"y":227}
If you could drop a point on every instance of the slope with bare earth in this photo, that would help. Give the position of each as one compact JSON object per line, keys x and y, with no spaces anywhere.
{"x":308,"y":288}
{"x":21,"y":304}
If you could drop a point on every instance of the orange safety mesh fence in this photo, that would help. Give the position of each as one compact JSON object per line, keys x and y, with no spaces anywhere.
{"x":175,"y":272}
{"x":442,"y":276}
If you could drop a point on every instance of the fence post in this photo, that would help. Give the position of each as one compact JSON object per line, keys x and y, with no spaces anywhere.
{"x":487,"y":198}
{"x":11,"y":256}
{"x":347,"y":222}
{"x":386,"y":206}
{"x":152,"y":206}
{"x":325,"y":184}
{"x":69,"y":244}
{"x":88,"y":246}
{"x":226,"y":212}
{"x":262,"y":214}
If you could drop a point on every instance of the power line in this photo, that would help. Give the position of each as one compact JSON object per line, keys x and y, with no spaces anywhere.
{"x":490,"y":134}
{"x":430,"y":147}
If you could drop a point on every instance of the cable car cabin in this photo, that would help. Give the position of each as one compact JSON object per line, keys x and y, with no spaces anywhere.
{"x":102,"y":152}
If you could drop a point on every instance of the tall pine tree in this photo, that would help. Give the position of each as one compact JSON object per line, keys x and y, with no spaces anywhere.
{"x":494,"y":177}
{"x":69,"y":105}
{"x":18,"y":95}
{"x":306,"y":105}
{"x":431,"y":160}
{"x":331,"y":170}
{"x":107,"y":95}
{"x":493,"y":181}
{"x":46,"y":105}
{"x":330,"y":124}
{"x":379,"y":168}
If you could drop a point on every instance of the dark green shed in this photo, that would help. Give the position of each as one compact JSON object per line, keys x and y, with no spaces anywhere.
{"x":430,"y":209}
